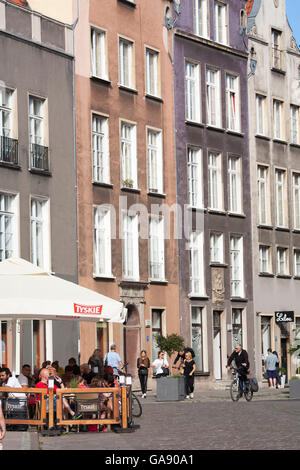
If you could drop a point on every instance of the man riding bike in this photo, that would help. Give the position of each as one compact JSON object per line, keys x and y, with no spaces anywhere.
{"x":240,"y":356}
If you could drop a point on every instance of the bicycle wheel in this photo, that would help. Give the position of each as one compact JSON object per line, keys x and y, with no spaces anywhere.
{"x":235,"y":390}
{"x":248,"y":392}
{"x":136,"y":406}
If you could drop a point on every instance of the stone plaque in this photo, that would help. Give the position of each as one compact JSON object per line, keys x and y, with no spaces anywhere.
{"x":218,"y":287}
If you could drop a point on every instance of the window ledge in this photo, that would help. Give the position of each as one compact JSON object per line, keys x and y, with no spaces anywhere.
{"x":104,"y":81}
{"x":202,"y":374}
{"x":158,"y":282}
{"x":40,"y":172}
{"x":125,"y":283}
{"x":13,"y":166}
{"x":155,"y":194}
{"x":154,"y":98}
{"x":280,"y":71}
{"x":263,"y":137}
{"x":215,"y":128}
{"x":131,"y":190}
{"x":237,"y":214}
{"x":280,"y":141}
{"x":193,"y":123}
{"x":284,"y":276}
{"x":104,"y":185}
{"x":196,"y":209}
{"x":217,"y":212}
{"x":239,"y":299}
{"x":128,"y":2}
{"x":296,"y":230}
{"x":128,"y":89}
{"x":265,"y":227}
{"x":100,"y":277}
{"x":237,"y":133}
{"x":282,"y":229}
{"x":215,"y":264}
{"x":198,"y":296}
{"x":266,"y":275}
{"x":297,"y":278}
{"x":292,"y":144}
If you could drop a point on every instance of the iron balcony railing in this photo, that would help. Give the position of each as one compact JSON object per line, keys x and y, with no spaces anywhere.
{"x":8,"y":150}
{"x":39,"y":157}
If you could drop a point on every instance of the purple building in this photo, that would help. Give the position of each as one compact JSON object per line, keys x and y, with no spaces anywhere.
{"x":213,"y":181}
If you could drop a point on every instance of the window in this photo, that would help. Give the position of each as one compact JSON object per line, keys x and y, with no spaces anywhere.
{"x":216,"y":248}
{"x":100,"y":149}
{"x":260,"y":115}
{"x":38,"y":149}
{"x":277,"y":119}
{"x":126,"y":63}
{"x":213,"y":98}
{"x":102,"y":242}
{"x":196,"y":264}
{"x":130,"y":247}
{"x":220,"y":23}
{"x":155,"y":161}
{"x":232,"y":103}
{"x":235,"y":184}
{"x":197,"y":337}
{"x":264,"y":259}
{"x":195,"y":185}
{"x":265,"y":334}
{"x":262,"y":186}
{"x":296,"y":200}
{"x":157,"y":249}
{"x":297,"y":263}
{"x":8,"y":234}
{"x":8,"y":145}
{"x":236,"y":266}
{"x":280,"y":191}
{"x":192,"y":92}
{"x":40,"y":236}
{"x":237,"y":327}
{"x":99,"y":54}
{"x":156,"y":331}
{"x":276,"y":49}
{"x":128,"y":155}
{"x":294,"y":124}
{"x":152,"y":75}
{"x":215,"y":199}
{"x":282,"y":261}
{"x":201,"y":18}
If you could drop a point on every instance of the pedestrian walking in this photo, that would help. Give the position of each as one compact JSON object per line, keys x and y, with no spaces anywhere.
{"x":143,"y":364}
{"x":188,"y":368}
{"x":2,"y":427}
{"x":277,"y":371}
{"x":270,"y":364}
{"x":113,"y":360}
{"x":161,"y":365}
{"x":96,"y":363}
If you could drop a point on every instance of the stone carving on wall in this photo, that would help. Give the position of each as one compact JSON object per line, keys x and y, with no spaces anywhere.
{"x":293,"y":45}
{"x":218,"y":286}
{"x":276,"y":3}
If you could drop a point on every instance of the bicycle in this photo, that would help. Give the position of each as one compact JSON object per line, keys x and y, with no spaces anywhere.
{"x":237,"y":386}
{"x":135,"y":405}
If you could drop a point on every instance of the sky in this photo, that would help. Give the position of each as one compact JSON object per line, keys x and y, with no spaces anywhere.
{"x":293,"y":14}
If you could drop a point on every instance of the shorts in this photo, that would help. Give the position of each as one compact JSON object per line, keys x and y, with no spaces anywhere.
{"x":271,"y":374}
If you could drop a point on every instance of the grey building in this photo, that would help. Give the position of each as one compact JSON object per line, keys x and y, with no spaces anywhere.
{"x":37,"y":172}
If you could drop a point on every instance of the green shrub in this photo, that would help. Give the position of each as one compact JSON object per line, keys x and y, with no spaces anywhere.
{"x":170,"y":343}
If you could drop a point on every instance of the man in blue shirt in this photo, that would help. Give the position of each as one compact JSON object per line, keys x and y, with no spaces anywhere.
{"x":112,"y":359}
{"x":270,"y":364}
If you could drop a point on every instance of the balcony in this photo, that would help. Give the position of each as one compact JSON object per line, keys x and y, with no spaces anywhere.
{"x":8,"y":151}
{"x":39,"y":160}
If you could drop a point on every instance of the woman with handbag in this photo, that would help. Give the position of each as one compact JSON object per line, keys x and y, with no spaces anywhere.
{"x":143,"y":364}
{"x":161,"y":365}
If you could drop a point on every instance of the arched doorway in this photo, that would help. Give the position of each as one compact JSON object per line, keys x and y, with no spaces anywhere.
{"x":132,"y":339}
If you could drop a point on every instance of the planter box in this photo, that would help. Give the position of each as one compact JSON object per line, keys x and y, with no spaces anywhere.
{"x":170,"y":389}
{"x":294,"y":388}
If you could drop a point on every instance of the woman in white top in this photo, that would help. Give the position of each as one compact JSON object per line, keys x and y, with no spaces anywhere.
{"x":159,"y":364}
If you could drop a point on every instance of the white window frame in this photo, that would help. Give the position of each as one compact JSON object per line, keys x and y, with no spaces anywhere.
{"x":235,"y":203}
{"x":155,"y":160}
{"x":215,"y":181}
{"x":156,"y":248}
{"x":100,"y":149}
{"x":192,"y":91}
{"x":278,"y":131}
{"x":277,"y":49}
{"x":99,"y":59}
{"x":152,"y":72}
{"x":216,"y":247}
{"x":282,"y":260}
{"x":221,"y":22}
{"x":297,"y":262}
{"x":294,"y":124}
{"x":233,"y":108}
{"x":102,"y":242}
{"x":280,"y":197}
{"x":213,"y":97}
{"x":263,"y":194}
{"x":237,"y":265}
{"x":201,"y":16}
{"x":264,"y":259}
{"x":296,"y":199}
{"x":130,"y":246}
{"x":128,"y":151}
{"x":40,"y":221}
{"x":6,"y":109}
{"x":11,"y":213}
{"x":126,"y":72}
{"x":197,"y":277}
{"x":195,"y":178}
{"x":37,"y":120}
{"x":260,"y":114}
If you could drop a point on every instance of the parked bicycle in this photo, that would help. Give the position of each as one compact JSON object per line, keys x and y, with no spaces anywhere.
{"x":239,"y":387}
{"x":135,"y":405}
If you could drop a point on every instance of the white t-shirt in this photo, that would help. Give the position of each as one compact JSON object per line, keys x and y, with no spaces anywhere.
{"x":159,"y":363}
{"x":14,"y":383}
{"x":23,"y":380}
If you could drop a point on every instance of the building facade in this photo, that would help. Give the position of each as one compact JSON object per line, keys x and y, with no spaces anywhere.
{"x":274,"y":100}
{"x":37,"y":175}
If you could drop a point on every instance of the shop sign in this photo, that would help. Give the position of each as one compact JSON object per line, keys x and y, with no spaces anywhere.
{"x":284,"y":317}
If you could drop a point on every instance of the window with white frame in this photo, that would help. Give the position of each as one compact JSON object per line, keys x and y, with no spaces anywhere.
{"x":129,"y":154}
{"x":157,"y":249}
{"x":130,"y":246}
{"x":264,"y":259}
{"x":40,"y":233}
{"x":276,"y":49}
{"x":235,"y":184}
{"x":282,"y":262}
{"x":197,"y":336}
{"x":260,"y":115}
{"x":236,"y":266}
{"x":216,"y":248}
{"x":213,"y":97}
{"x":215,"y":183}
{"x":102,"y":241}
{"x":6,"y":112}
{"x":237,"y":326}
{"x":100,"y":149}
{"x":155,"y":160}
{"x":197,"y":285}
{"x":152,"y":73}
{"x":195,"y":183}
{"x":262,"y":188}
{"x":294,"y":124}
{"x":126,"y":64}
{"x":99,"y":54}
{"x":192,"y":92}
{"x":280,"y":196}
{"x":201,"y":18}
{"x":278,"y":119}
{"x":232,"y":103}
{"x":297,"y":263}
{"x":8,"y":226}
{"x":36,"y":120}
{"x":221,"y":22}
{"x":296,"y":200}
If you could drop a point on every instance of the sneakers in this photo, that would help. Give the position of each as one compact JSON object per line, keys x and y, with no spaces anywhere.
{"x":191,"y":395}
{"x":187,"y":397}
{"x":77,"y":416}
{"x":144,"y":395}
{"x":64,"y":430}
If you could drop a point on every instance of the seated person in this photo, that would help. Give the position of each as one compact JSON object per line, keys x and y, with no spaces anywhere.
{"x":25,"y":379}
{"x":86,"y":373}
{"x":57,"y":367}
{"x":67,"y":376}
{"x":7,"y":380}
{"x":106,"y":398}
{"x":75,"y":367}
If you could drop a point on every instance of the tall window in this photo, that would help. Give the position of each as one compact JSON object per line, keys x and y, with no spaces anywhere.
{"x":260,"y":115}
{"x":126,"y":67}
{"x":99,"y":54}
{"x":152,"y":80}
{"x":265,"y":334}
{"x":276,"y":49}
{"x":237,"y":266}
{"x":296,"y":200}
{"x":6,"y":104}
{"x":102,"y":242}
{"x":201,"y":17}
{"x":216,"y":248}
{"x":215,"y":183}
{"x":297,"y":263}
{"x":7,"y":226}
{"x":262,"y":186}
{"x":232,"y":103}
{"x":192,"y":92}
{"x":40,"y":236}
{"x":130,"y":247}
{"x":100,"y":148}
{"x":197,"y":285}
{"x":195,"y":186}
{"x":221,"y":22}
{"x":294,"y":124}
{"x":157,"y":249}
{"x":128,"y":155}
{"x":197,"y":336}
{"x":277,"y":119}
{"x":280,"y":191}
{"x":213,"y":97}
{"x":155,"y":161}
{"x":235,"y":184}
{"x":264,"y":259}
{"x":237,"y":327}
{"x":156,"y":330}
{"x":282,"y":261}
{"x":38,"y":150}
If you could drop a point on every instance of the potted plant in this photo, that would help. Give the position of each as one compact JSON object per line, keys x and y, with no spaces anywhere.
{"x":170,"y":388}
{"x":128,"y":183}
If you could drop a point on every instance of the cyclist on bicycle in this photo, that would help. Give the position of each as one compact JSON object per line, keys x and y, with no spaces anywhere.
{"x":240,"y":356}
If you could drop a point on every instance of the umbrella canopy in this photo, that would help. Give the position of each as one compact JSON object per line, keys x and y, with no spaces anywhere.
{"x":28,"y":292}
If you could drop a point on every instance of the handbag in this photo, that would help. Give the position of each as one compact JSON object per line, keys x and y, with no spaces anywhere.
{"x":143,"y":371}
{"x":166,"y":371}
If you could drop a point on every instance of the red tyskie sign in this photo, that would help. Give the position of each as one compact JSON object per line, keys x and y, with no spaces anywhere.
{"x":88,"y":309}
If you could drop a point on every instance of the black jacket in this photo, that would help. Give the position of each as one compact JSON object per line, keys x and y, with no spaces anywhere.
{"x":182,"y":357}
{"x":96,"y":363}
{"x":239,"y":359}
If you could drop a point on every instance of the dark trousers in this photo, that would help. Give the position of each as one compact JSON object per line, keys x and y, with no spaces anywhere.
{"x":143,"y":382}
{"x":189,"y":384}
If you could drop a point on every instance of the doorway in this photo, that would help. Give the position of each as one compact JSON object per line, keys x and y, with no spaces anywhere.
{"x":132,"y":340}
{"x":284,"y":355}
{"x":217,"y":347}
